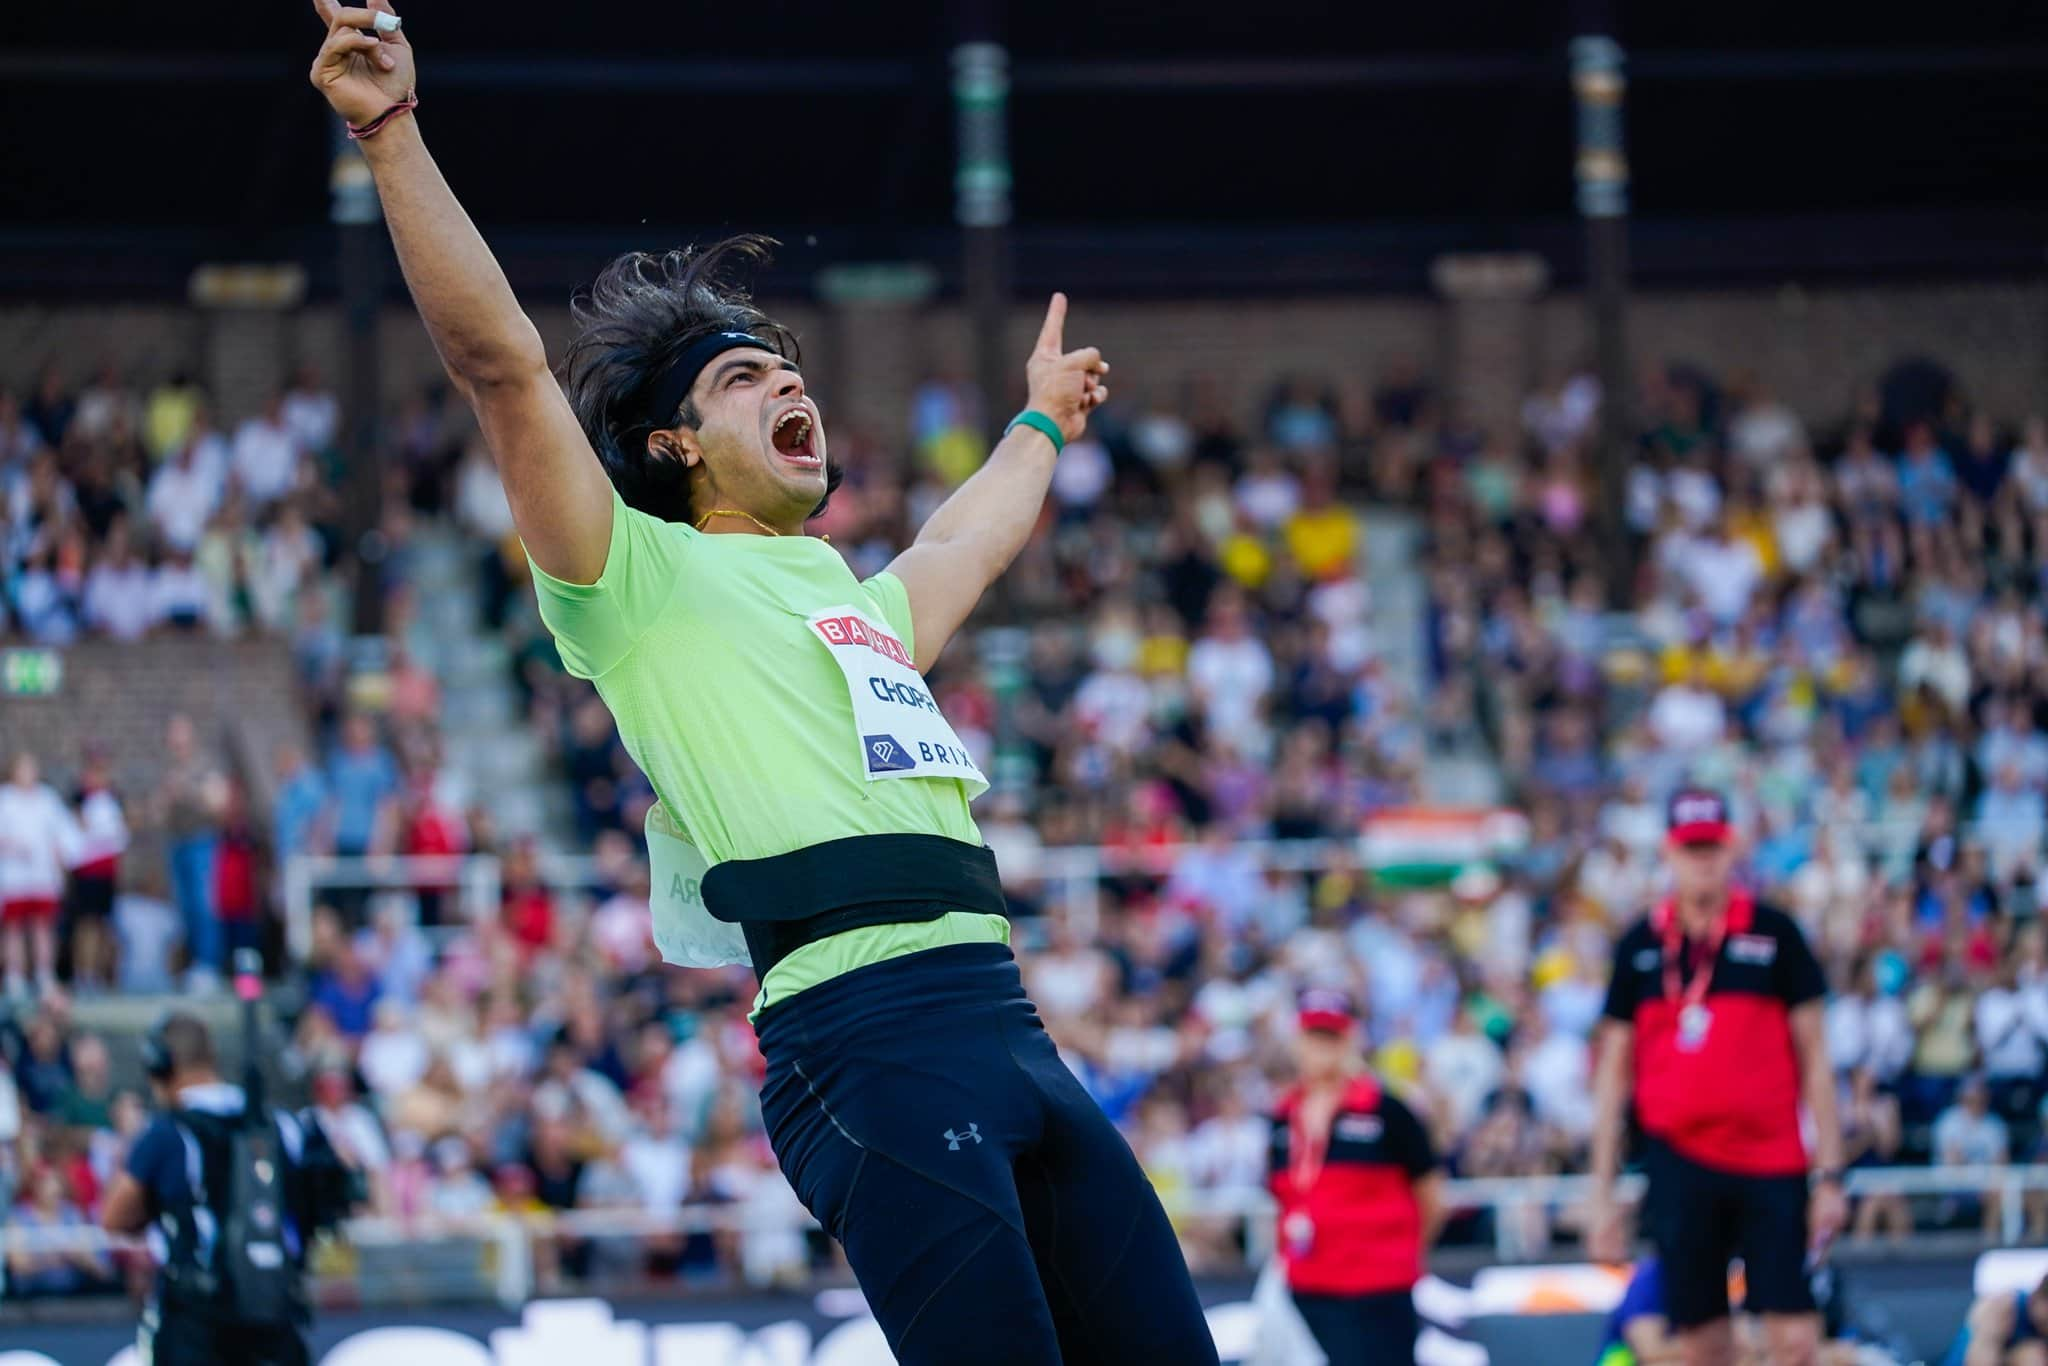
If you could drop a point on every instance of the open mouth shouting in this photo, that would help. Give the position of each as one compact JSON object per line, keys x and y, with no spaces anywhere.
{"x":794,"y":437}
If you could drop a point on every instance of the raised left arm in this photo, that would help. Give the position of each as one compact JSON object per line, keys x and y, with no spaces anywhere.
{"x":977,"y":532}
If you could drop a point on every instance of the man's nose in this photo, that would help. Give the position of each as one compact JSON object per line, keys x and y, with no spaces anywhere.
{"x":789,"y":384}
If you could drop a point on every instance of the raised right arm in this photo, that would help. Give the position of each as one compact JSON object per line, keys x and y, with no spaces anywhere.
{"x":561,"y":500}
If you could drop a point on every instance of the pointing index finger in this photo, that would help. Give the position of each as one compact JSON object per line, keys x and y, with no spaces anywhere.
{"x":356,"y":17}
{"x":1055,"y":325}
{"x":325,"y":10}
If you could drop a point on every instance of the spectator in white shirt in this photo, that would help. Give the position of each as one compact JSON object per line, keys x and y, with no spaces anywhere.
{"x":1968,"y":1135}
{"x":2009,"y":739}
{"x":1019,"y":848}
{"x":2012,"y":822}
{"x":2029,"y":472}
{"x":117,"y":591}
{"x":1555,"y":1067}
{"x":266,"y":456}
{"x":1113,"y":705}
{"x":351,"y":1128}
{"x":480,"y":502}
{"x":459,"y":1191}
{"x":1802,"y":522}
{"x":1078,"y":484}
{"x":211,"y":450}
{"x":1866,"y":480}
{"x":1723,"y":571}
{"x":178,"y":593}
{"x":182,"y":496}
{"x":95,"y":874}
{"x":1070,"y":977}
{"x":1267,"y":493}
{"x":1688,"y":717}
{"x":1224,"y":1159}
{"x":1227,"y":1152}
{"x":1559,"y":417}
{"x":38,"y":840}
{"x":1162,"y":437}
{"x":310,"y":411}
{"x":2009,"y":1040}
{"x":1695,"y":494}
{"x":1935,"y":660}
{"x":1763,"y":431}
{"x":286,"y":557}
{"x":1463,"y":1068}
{"x":103,"y":404}
{"x":394,"y":1056}
{"x":1230,"y":672}
{"x":655,"y":1155}
{"x":46,"y":606}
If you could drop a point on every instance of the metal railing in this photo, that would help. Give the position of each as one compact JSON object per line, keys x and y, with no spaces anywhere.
{"x":1073,"y":874}
{"x":512,"y":1238}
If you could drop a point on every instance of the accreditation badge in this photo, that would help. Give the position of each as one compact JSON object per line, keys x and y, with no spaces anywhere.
{"x":898,"y":728}
{"x":1694,"y":1021}
{"x":685,"y":931}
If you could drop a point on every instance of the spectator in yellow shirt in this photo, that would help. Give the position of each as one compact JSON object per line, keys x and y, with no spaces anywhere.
{"x":1322,"y":535}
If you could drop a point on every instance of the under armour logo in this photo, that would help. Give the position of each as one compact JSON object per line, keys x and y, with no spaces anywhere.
{"x":954,"y":1140}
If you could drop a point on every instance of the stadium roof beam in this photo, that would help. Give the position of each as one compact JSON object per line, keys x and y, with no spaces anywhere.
{"x":543,"y":71}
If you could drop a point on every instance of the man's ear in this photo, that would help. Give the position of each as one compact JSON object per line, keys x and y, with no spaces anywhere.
{"x":678,"y":444}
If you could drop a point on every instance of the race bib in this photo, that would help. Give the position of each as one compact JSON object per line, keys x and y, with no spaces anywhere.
{"x":898,"y":726}
{"x":685,"y":931}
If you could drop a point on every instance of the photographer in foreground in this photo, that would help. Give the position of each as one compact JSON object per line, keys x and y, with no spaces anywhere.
{"x":231,"y":1193}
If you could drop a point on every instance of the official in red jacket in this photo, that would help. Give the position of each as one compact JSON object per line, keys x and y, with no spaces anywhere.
{"x":1359,"y":1189}
{"x":1712,"y":1038}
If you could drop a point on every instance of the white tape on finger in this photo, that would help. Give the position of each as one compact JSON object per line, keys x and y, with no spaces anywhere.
{"x":387,"y":22}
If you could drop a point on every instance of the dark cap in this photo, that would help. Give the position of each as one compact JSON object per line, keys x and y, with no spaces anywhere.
{"x":1698,"y":815}
{"x":1326,"y":1011}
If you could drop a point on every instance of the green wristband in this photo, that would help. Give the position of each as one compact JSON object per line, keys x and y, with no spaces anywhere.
{"x":1038,"y":421}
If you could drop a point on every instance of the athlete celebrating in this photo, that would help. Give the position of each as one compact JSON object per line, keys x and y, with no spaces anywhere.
{"x":813,"y":814}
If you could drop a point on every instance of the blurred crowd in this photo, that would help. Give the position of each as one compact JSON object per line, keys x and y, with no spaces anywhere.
{"x":1841,"y":627}
{"x":126,"y":510}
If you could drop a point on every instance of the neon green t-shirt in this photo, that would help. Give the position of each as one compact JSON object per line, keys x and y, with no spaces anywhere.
{"x":740,"y":718}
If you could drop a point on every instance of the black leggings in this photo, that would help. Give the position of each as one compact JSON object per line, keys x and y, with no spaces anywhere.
{"x":1362,"y":1330}
{"x":989,"y":1209}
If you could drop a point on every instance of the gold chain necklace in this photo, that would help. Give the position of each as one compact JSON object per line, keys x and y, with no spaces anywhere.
{"x":735,"y":512}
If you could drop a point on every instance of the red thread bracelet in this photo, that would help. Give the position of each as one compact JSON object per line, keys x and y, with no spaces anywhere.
{"x":404,"y":106}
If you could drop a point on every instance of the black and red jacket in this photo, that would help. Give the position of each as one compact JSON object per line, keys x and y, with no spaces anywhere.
{"x":1349,"y":1220}
{"x":1728,"y":1099}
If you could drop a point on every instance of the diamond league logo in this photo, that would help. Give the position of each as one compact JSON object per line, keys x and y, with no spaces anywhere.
{"x":886,"y":754}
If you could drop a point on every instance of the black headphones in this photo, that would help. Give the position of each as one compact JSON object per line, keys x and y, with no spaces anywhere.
{"x":156,"y":1053}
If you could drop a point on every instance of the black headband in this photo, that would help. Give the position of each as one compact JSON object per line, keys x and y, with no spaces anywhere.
{"x":666,"y":394}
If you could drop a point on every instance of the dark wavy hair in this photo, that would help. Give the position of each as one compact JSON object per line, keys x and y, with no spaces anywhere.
{"x":635,"y":319}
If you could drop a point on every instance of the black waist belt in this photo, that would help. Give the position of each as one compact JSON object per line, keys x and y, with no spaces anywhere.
{"x":790,"y":900}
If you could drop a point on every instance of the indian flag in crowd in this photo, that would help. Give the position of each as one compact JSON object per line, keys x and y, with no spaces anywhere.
{"x":1426,"y":846}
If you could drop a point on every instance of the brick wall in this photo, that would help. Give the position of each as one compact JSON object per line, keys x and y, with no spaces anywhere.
{"x":1814,"y":346}
{"x":242,"y":695}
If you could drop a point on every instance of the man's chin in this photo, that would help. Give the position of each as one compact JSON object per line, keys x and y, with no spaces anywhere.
{"x":809,"y":480}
